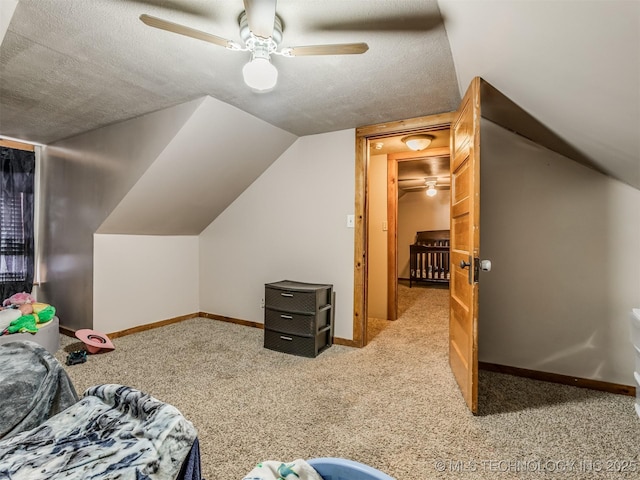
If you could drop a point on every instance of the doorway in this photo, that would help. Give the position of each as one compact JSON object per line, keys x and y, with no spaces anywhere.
{"x":418,"y":206}
{"x":365,"y":138}
{"x":409,"y":205}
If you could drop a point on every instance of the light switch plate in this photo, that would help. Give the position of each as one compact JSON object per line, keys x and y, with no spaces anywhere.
{"x":351,"y":221}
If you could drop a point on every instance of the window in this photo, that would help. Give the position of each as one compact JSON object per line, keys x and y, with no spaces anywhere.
{"x":16,"y":221}
{"x":13,"y":266}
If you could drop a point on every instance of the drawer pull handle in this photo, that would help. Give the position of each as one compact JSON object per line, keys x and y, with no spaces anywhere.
{"x":288,"y":317}
{"x":287,"y":294}
{"x":286,"y":338}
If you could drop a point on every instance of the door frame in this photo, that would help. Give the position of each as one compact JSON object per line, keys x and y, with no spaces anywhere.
{"x":392,"y":217}
{"x":364,"y":136}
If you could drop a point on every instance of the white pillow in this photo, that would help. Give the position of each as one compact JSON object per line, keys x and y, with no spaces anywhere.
{"x":7,"y":316}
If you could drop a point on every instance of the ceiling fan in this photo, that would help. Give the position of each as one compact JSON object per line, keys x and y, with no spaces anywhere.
{"x":261,"y":33}
{"x":431,"y":184}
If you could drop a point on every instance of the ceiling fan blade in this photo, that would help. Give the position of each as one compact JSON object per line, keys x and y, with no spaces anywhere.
{"x":402,"y":23}
{"x":440,"y":179}
{"x":261,"y":16}
{"x":416,"y":179}
{"x":175,"y":5}
{"x":423,"y":187}
{"x":337,"y":49}
{"x":156,"y":22}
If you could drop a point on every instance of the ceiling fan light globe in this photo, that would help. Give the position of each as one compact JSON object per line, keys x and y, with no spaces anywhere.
{"x":431,"y":192}
{"x":260,"y":74}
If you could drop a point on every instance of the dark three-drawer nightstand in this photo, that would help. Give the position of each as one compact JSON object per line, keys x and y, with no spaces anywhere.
{"x":298,"y":317}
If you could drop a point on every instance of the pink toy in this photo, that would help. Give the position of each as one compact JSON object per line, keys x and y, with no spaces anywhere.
{"x":19,"y":299}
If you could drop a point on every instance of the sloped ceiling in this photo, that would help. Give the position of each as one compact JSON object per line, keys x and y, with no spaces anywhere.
{"x":70,"y":66}
{"x":205,"y":166}
{"x":574,"y":66}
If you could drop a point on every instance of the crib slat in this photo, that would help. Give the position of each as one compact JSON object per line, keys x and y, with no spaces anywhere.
{"x":430,"y":262}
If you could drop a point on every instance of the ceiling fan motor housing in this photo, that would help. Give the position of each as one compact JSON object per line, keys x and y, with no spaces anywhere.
{"x":253,"y":41}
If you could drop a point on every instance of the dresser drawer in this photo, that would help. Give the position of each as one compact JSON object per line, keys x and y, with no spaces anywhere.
{"x":294,"y":344}
{"x":291,"y":301}
{"x":289,"y":322}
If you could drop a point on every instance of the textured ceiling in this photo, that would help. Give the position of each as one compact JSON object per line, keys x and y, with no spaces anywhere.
{"x":68,"y":66}
{"x":71,"y":66}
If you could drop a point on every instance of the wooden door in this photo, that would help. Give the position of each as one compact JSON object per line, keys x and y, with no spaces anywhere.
{"x":465,"y":243}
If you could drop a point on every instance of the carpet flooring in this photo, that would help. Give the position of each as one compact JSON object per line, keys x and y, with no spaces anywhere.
{"x":393,"y":405}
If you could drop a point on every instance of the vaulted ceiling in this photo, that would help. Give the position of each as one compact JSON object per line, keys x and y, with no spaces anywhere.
{"x":67,"y":67}
{"x":70,"y":66}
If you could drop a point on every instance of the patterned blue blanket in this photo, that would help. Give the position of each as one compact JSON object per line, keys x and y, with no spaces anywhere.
{"x":113,"y":432}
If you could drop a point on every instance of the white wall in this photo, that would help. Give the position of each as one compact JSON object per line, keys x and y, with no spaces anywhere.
{"x":83,"y":178}
{"x":7,"y":8}
{"x":563,"y":240}
{"x":541,"y":55}
{"x":205,"y":166}
{"x":140,"y":279}
{"x":289,"y":224}
{"x":419,"y":213}
{"x":377,"y":237}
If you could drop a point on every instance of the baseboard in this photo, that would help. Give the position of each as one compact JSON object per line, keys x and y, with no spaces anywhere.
{"x":222,"y":318}
{"x":558,"y":378}
{"x":237,"y":321}
{"x":150,"y":326}
{"x":69,"y":332}
{"x":345,"y":342}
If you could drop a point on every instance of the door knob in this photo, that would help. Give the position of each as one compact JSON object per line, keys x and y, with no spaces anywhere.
{"x":485,"y":265}
{"x":464,"y":264}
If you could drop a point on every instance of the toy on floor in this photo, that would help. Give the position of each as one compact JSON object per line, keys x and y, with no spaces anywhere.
{"x":79,"y":356}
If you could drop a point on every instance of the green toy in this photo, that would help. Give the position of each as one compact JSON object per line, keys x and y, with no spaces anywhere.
{"x":46,"y":314}
{"x":29,"y":322}
{"x":26,"y":323}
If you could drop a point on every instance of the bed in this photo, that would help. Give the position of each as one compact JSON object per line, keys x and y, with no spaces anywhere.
{"x":429,"y":257}
{"x":113,"y":431}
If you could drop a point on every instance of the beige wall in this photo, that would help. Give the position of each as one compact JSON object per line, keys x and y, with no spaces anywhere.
{"x":291,"y":223}
{"x":377,"y":237}
{"x":141,"y":279}
{"x":201,"y":171}
{"x":170,"y":172}
{"x":7,"y":8}
{"x":417,"y":213}
{"x":563,"y":240}
{"x":82,"y":179}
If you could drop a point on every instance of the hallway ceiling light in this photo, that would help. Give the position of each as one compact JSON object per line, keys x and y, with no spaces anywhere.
{"x":431,"y":188}
{"x":417,"y":142}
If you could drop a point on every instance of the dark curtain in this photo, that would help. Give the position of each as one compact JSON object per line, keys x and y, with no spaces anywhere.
{"x":16,"y":221}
